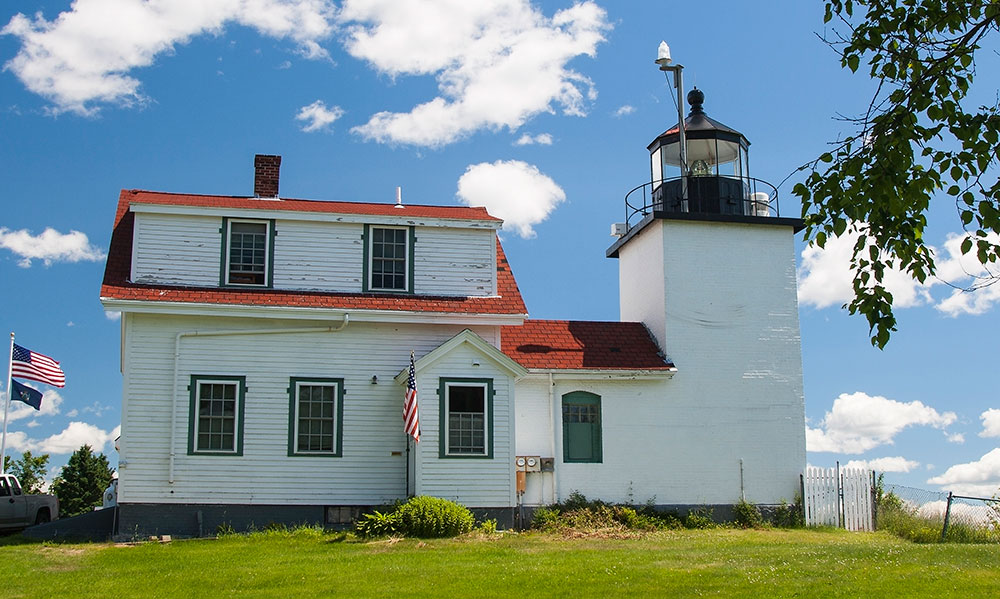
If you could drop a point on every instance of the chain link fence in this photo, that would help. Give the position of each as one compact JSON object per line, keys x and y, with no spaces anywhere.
{"x":929,"y":516}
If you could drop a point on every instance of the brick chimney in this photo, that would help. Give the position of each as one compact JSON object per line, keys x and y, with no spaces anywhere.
{"x":266,"y":169}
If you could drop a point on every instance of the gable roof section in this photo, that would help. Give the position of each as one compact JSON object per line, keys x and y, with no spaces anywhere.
{"x":582,"y":345}
{"x":116,"y":284}
{"x":466,"y":337}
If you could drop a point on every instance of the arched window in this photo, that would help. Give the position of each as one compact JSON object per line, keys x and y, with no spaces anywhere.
{"x":581,"y":420}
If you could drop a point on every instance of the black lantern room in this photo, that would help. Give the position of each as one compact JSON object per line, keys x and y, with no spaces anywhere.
{"x":716,"y":178}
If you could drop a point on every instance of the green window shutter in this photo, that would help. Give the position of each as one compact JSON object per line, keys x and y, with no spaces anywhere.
{"x":581,"y":417}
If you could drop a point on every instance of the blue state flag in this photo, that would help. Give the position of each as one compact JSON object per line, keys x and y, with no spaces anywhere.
{"x":24,"y":393}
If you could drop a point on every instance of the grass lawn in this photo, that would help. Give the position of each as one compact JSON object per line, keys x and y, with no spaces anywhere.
{"x":725,"y":563}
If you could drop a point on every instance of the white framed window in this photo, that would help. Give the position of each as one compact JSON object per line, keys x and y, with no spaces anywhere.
{"x":388,"y":260}
{"x":466,"y":417}
{"x":315,"y":423}
{"x":247,"y":252}
{"x":216,"y":417}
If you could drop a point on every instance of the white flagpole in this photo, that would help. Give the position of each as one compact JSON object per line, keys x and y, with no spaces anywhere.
{"x":6,"y":406}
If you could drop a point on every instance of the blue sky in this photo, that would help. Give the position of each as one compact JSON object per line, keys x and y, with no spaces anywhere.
{"x":556,"y":100}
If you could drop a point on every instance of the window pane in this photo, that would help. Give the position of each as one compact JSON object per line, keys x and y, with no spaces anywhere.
{"x":247,"y":253}
{"x":466,"y":420}
{"x":388,"y":259}
{"x":315,"y":418}
{"x":216,"y":424}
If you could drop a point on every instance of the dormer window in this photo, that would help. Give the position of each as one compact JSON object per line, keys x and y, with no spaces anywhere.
{"x":247,"y":252}
{"x":388,"y":259}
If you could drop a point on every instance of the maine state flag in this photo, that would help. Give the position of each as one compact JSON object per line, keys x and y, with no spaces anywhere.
{"x":24,"y":393}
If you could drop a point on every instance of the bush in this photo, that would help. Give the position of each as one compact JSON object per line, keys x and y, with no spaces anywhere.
{"x":699,"y":518}
{"x":488,"y":527}
{"x":788,"y":516}
{"x":422,"y":516}
{"x":378,"y":524}
{"x":747,"y":515}
{"x":432,"y":517}
{"x":579,"y":513}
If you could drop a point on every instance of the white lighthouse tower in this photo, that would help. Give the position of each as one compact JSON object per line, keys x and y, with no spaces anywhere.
{"x":708,"y":265}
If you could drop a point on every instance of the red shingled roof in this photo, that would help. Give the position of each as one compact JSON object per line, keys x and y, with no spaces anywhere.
{"x":117,"y":286}
{"x":139,"y":196}
{"x":582,"y":345}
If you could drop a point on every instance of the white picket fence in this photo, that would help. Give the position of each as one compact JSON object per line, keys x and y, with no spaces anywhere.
{"x":838,"y":497}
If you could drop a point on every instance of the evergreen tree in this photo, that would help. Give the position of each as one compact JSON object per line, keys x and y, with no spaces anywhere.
{"x":81,"y":484}
{"x":29,"y":470}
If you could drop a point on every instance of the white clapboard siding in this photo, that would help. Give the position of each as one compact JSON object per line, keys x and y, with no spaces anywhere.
{"x":367,"y":473}
{"x":456,"y":262}
{"x":312,"y":256}
{"x":474,"y":482}
{"x":177,"y":250}
{"x":318,"y":256}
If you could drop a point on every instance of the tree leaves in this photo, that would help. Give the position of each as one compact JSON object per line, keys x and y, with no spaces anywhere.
{"x":80,"y":486}
{"x":917,"y":141}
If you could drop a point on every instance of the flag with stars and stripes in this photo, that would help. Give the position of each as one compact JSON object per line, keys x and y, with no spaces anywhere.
{"x":411,"y":423}
{"x":33,"y":366}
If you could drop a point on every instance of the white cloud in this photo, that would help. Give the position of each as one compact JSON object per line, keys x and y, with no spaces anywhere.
{"x":965,"y":271}
{"x":497,"y":63}
{"x":51,"y":246}
{"x":991,"y":423}
{"x":317,"y":116}
{"x":958,"y":438}
{"x":825,"y":278}
{"x":893,"y":464}
{"x":84,"y":55}
{"x":858,"y":422}
{"x":513,"y":191}
{"x":624,"y":111}
{"x":972,"y":515}
{"x":75,"y":435}
{"x":51,"y":400}
{"x":113,"y":315}
{"x":980,"y":478}
{"x":526,"y":139}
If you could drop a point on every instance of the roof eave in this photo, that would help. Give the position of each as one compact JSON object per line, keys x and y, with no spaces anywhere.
{"x":604,"y":373}
{"x":307,"y":312}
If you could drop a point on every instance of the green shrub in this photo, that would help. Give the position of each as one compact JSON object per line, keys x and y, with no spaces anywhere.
{"x":788,"y":516}
{"x":488,"y":527}
{"x":378,"y":524}
{"x":579,"y":513}
{"x":747,"y":515}
{"x":432,"y":517}
{"x":699,"y":518}
{"x":422,"y":516}
{"x":546,"y":518}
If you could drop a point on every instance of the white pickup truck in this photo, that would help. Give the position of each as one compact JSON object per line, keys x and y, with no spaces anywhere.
{"x":18,"y":510}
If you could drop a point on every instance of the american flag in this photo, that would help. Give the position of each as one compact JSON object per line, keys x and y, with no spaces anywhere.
{"x":33,"y":366}
{"x":411,"y":423}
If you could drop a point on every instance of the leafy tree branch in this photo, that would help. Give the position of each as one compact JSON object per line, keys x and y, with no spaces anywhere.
{"x":918,"y":139}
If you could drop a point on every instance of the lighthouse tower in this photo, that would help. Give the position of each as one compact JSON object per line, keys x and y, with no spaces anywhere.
{"x":708,"y":265}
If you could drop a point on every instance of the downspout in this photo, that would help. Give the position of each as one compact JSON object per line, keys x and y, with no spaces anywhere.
{"x":552,"y":439}
{"x":224,"y":333}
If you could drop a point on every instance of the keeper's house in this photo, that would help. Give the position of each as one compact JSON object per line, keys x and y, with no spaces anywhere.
{"x":265,"y":343}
